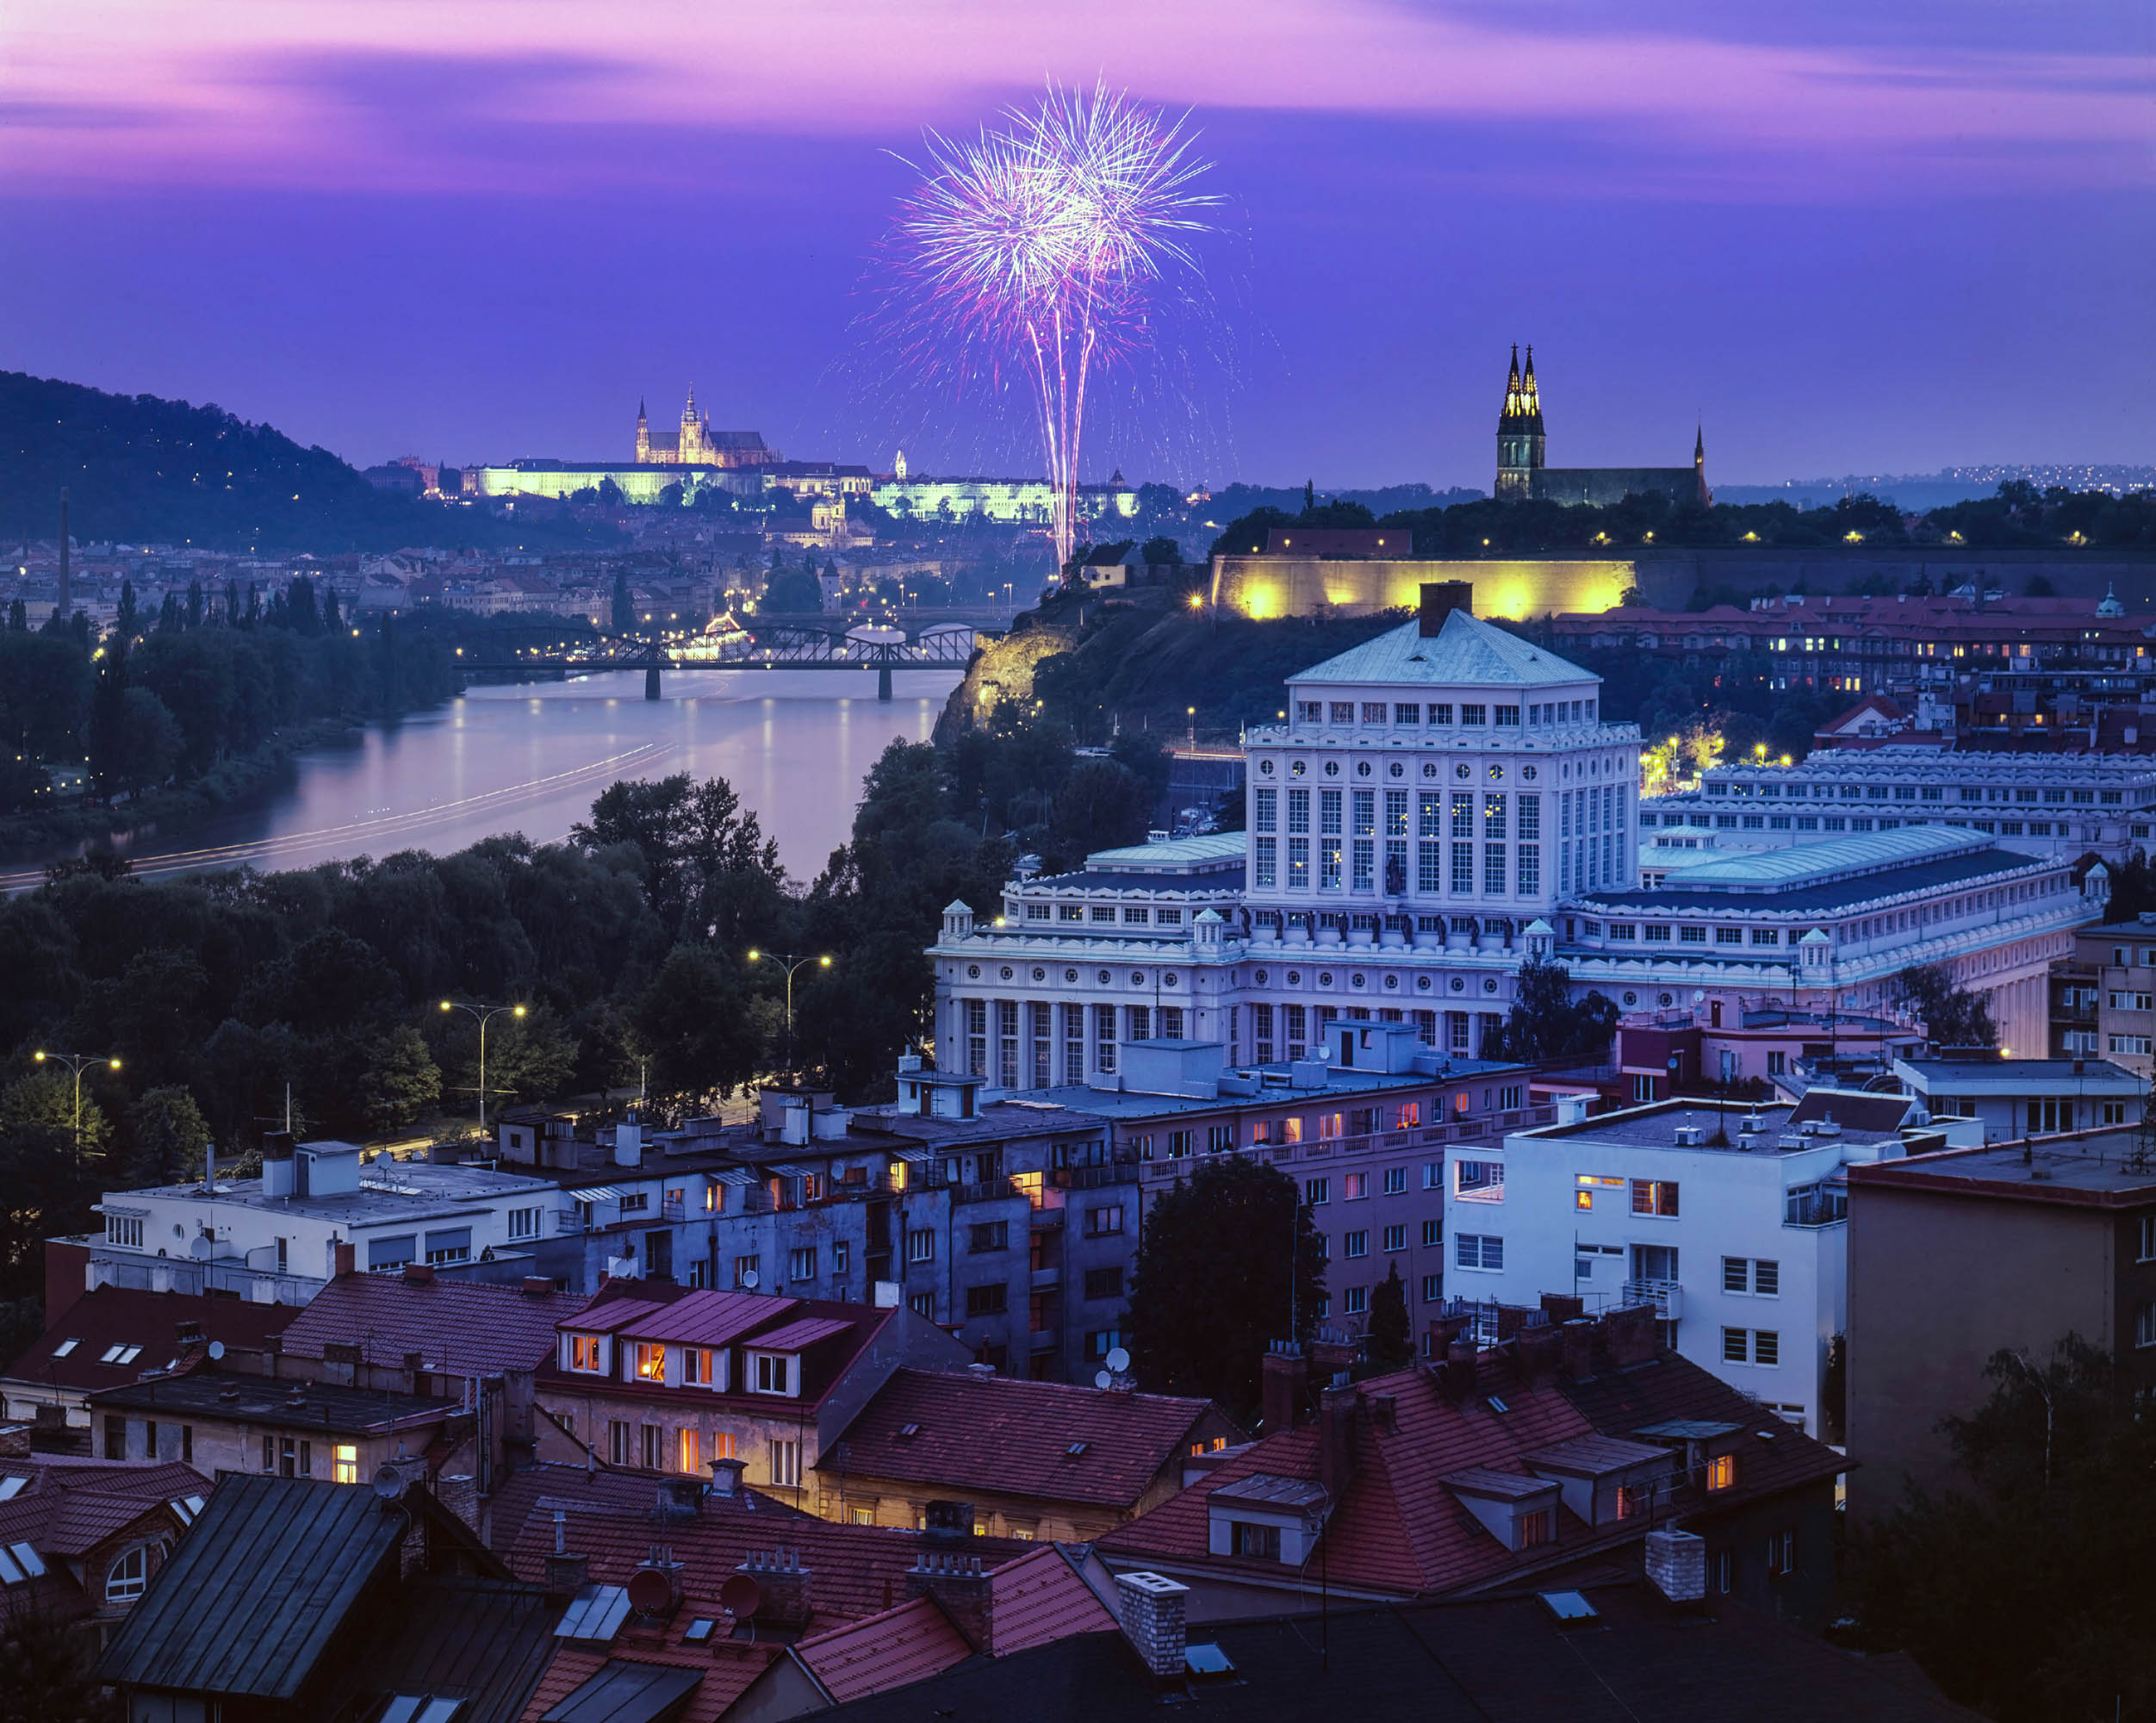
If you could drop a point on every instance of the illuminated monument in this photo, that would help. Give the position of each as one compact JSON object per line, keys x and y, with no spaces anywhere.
{"x":1522,"y":477}
{"x":696,"y":445}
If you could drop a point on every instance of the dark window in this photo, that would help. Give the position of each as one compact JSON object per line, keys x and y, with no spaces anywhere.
{"x":1104,"y":1283}
{"x":116,"y":1437}
{"x":991,"y":1236}
{"x":991,"y":1300}
{"x":1262,"y":1541}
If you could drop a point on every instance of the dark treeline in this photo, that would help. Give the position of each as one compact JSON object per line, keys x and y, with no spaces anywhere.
{"x":229,"y":996}
{"x":167,"y":697}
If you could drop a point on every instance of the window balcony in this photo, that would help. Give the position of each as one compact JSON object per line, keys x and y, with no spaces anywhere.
{"x":1101,"y":1177}
{"x":1666,"y":1295}
{"x":982,"y":1190}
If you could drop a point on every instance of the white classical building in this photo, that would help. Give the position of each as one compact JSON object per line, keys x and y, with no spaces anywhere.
{"x":1732,"y":1224}
{"x":2055,"y":805}
{"x":1444,"y":802}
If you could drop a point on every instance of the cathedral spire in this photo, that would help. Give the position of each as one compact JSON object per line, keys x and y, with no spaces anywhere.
{"x":1528,"y":383}
{"x":1699,"y":446}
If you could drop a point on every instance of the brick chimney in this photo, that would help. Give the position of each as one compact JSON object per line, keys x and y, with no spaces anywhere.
{"x":784,"y":1583}
{"x":1283,"y":1382}
{"x":347,"y":1257}
{"x":1575,"y":1349}
{"x":566,"y":1575}
{"x":1443,"y":1330}
{"x":1677,"y":1564}
{"x":961,"y":1589}
{"x":1336,"y":1439}
{"x":1631,"y":1335}
{"x":1151,"y":1606}
{"x":1563,"y":1307}
{"x":1539,"y":1351}
{"x":726,"y":1475}
{"x":1439,"y":600}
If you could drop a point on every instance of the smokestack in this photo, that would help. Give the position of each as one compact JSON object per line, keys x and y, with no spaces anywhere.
{"x":1282,"y":1380}
{"x":1439,"y":600}
{"x":64,"y":603}
{"x":1336,"y":1439}
{"x":1153,"y":1620}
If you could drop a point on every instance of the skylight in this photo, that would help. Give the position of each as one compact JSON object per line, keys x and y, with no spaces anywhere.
{"x":698,"y":1631}
{"x":1567,"y":1606}
{"x":65,"y":1347}
{"x":908,"y":1432}
{"x":120,"y":1354}
{"x":1076,"y":1449}
{"x":14,"y":1484}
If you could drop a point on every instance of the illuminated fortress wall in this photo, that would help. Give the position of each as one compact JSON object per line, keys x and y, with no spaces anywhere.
{"x":1294,"y":585}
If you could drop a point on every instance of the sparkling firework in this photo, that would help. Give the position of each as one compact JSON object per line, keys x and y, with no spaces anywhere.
{"x":1036,"y":246}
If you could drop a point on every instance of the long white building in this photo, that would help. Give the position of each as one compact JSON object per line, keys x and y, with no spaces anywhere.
{"x":1443,"y":802}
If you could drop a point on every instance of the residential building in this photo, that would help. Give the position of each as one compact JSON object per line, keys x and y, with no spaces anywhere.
{"x":2061,"y":1236}
{"x":81,"y":1540}
{"x":1030,"y":1459}
{"x":1614,"y":1647}
{"x":1690,"y":1049}
{"x":417,"y":1323}
{"x":672,"y":1379}
{"x":1729,"y":1221}
{"x":224,"y":1421}
{"x":2057,"y":807}
{"x":1521,"y":1466}
{"x":2104,"y":996}
{"x":275,"y":1239}
{"x":112,"y":1336}
{"x":290,"y":1601}
{"x":2024,"y":1097}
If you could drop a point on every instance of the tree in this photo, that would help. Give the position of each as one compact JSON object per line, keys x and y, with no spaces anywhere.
{"x":1160,"y":548}
{"x":1391,"y":1341}
{"x":624,"y":608}
{"x":1102,"y":806}
{"x":1219,"y":1262}
{"x":1545,"y":1022}
{"x":166,"y":1135}
{"x":1951,"y":1016}
{"x":49,"y":1670}
{"x":698,"y":1025}
{"x":2048,"y":1522}
{"x":401,"y":1084}
{"x":793,"y":592}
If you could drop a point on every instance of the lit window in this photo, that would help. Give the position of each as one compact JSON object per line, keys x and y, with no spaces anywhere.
{"x":1722,"y":1472}
{"x":343,"y":1464}
{"x":651,"y":1363}
{"x":584,"y":1352}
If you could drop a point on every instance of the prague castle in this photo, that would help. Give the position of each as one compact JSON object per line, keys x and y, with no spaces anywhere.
{"x":696,"y":445}
{"x":1521,"y":475}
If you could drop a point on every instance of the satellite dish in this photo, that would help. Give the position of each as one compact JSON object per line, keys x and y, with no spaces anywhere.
{"x":650,"y":1592}
{"x":751,"y":1280}
{"x":739,"y":1597}
{"x":1698,"y":996}
{"x":216,"y":1350}
{"x":1103,"y":1379}
{"x":1118,"y":1360}
{"x":388,"y":1482}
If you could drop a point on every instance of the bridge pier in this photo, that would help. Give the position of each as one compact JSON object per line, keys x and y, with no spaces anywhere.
{"x":651,"y":681}
{"x":883,"y":683}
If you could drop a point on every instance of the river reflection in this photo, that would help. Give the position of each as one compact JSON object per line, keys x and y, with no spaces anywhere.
{"x":794,"y":744}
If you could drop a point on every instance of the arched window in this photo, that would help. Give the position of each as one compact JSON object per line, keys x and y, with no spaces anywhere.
{"x":129,"y":1577}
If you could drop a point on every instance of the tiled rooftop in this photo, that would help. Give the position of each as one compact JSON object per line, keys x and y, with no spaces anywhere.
{"x":457,"y":1328}
{"x":145,"y":1328}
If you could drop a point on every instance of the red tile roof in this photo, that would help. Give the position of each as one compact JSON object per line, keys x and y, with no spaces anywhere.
{"x":891,"y":1648}
{"x":531,"y":1494}
{"x":458,"y":1328}
{"x":1040,"y":1597}
{"x":705,"y":1318}
{"x":728,"y":1667}
{"x":999,"y":1433}
{"x":109,"y":1316}
{"x":67,"y":1507}
{"x":792,"y":1336}
{"x":1398,"y":1528}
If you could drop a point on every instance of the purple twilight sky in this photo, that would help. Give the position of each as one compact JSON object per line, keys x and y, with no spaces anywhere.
{"x":1849,"y":235}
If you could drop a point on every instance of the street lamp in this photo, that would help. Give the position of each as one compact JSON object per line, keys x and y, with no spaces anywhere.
{"x":787,"y":962}
{"x":485,"y":1014}
{"x":79,"y":1063}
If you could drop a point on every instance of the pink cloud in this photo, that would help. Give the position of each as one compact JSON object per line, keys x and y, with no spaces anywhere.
{"x":366,"y":93}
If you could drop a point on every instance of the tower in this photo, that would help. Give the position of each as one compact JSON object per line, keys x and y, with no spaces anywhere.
{"x":690,"y":450}
{"x":1519,"y":433}
{"x":1699,"y":464}
{"x":643,"y":436}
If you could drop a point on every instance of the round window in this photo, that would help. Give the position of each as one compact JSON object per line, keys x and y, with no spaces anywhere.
{"x":1527,"y":774}
{"x":1430,"y":768}
{"x":1362,"y":769}
{"x":1104,"y":978}
{"x":1463,"y":771}
{"x":1396,"y":769}
{"x":1295,"y":977}
{"x":1422,"y":984}
{"x":1264,"y":768}
{"x":1392,"y":983}
{"x":1297,"y":769}
{"x":1325,"y":978}
{"x":1665,"y":998}
{"x":1137,"y":978}
{"x":1458,"y":985}
{"x":1489,"y":984}
{"x":972,"y":972}
{"x":1331,"y":769}
{"x":1497,"y":775}
{"x":1168,"y":980}
{"x":1070,"y":974}
{"x":1631,"y":999}
{"x":1006,"y":972}
{"x":1355,"y":980}
{"x":1261,"y":978}
{"x":1040,"y":974}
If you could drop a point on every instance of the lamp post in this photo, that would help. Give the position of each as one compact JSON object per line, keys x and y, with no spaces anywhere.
{"x":788,"y":962}
{"x":484,"y":1014}
{"x":79,"y":1063}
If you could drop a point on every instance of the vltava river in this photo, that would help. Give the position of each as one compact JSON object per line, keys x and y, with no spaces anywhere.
{"x":794,"y":744}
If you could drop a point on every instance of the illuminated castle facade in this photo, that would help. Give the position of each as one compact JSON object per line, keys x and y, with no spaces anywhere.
{"x":696,"y":445}
{"x":1522,"y":476}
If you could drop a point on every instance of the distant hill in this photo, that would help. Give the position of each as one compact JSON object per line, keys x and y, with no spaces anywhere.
{"x":141,"y":469}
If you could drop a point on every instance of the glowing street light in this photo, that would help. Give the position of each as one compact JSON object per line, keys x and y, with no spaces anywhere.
{"x":79,"y":1063}
{"x":485,"y":1014}
{"x":789,"y":962}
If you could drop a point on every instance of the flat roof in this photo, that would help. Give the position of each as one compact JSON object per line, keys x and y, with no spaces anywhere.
{"x":2017,"y":1076}
{"x":1657,"y":1126}
{"x":2088,"y":1169}
{"x":1212,"y":849}
{"x":264,"y":1400}
{"x":1124,"y":1104}
{"x":389,"y":1191}
{"x":1690,"y":891}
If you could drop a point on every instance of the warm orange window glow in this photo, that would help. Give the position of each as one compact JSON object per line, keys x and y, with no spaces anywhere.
{"x":1410,"y":1115}
{"x":1722,"y":1472}
{"x":651,"y":1363}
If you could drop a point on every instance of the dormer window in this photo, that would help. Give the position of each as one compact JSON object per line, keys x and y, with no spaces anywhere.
{"x":1721,"y":1472}
{"x":772,"y":1372}
{"x":1253,"y":1539}
{"x":697,"y":1367}
{"x":651,"y":1363}
{"x":587,"y":1352}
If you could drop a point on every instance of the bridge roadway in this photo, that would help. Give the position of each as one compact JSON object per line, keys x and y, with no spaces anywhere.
{"x":768,"y":644}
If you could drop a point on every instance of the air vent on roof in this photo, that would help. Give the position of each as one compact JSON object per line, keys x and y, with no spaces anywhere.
{"x":1687,"y":1136}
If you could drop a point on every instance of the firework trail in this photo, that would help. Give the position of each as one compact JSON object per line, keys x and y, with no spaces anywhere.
{"x":1036,"y":246}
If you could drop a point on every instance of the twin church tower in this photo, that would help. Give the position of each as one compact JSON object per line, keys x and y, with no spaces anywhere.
{"x":1522,"y":476}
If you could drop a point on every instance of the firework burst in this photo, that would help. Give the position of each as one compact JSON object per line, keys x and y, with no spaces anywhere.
{"x":1035,"y":248}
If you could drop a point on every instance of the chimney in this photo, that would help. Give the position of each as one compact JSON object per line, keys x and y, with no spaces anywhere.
{"x":679,"y":1500}
{"x":783,"y":1585}
{"x":1539,"y":1351}
{"x":1150,"y":1605}
{"x":1511,"y":1319}
{"x":1563,"y":1307}
{"x":276,"y":1163}
{"x":1677,"y":1564}
{"x":419,"y":1274}
{"x":537,"y":1287}
{"x":960,"y":1589}
{"x":1439,"y":600}
{"x":1336,"y":1439}
{"x":1631,"y":1335}
{"x":347,"y":1255}
{"x":566,"y":1575}
{"x":1443,"y":1330}
{"x":1575,"y":1349}
{"x":1384,"y":1412}
{"x":341,"y":1360}
{"x":1283,"y":1382}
